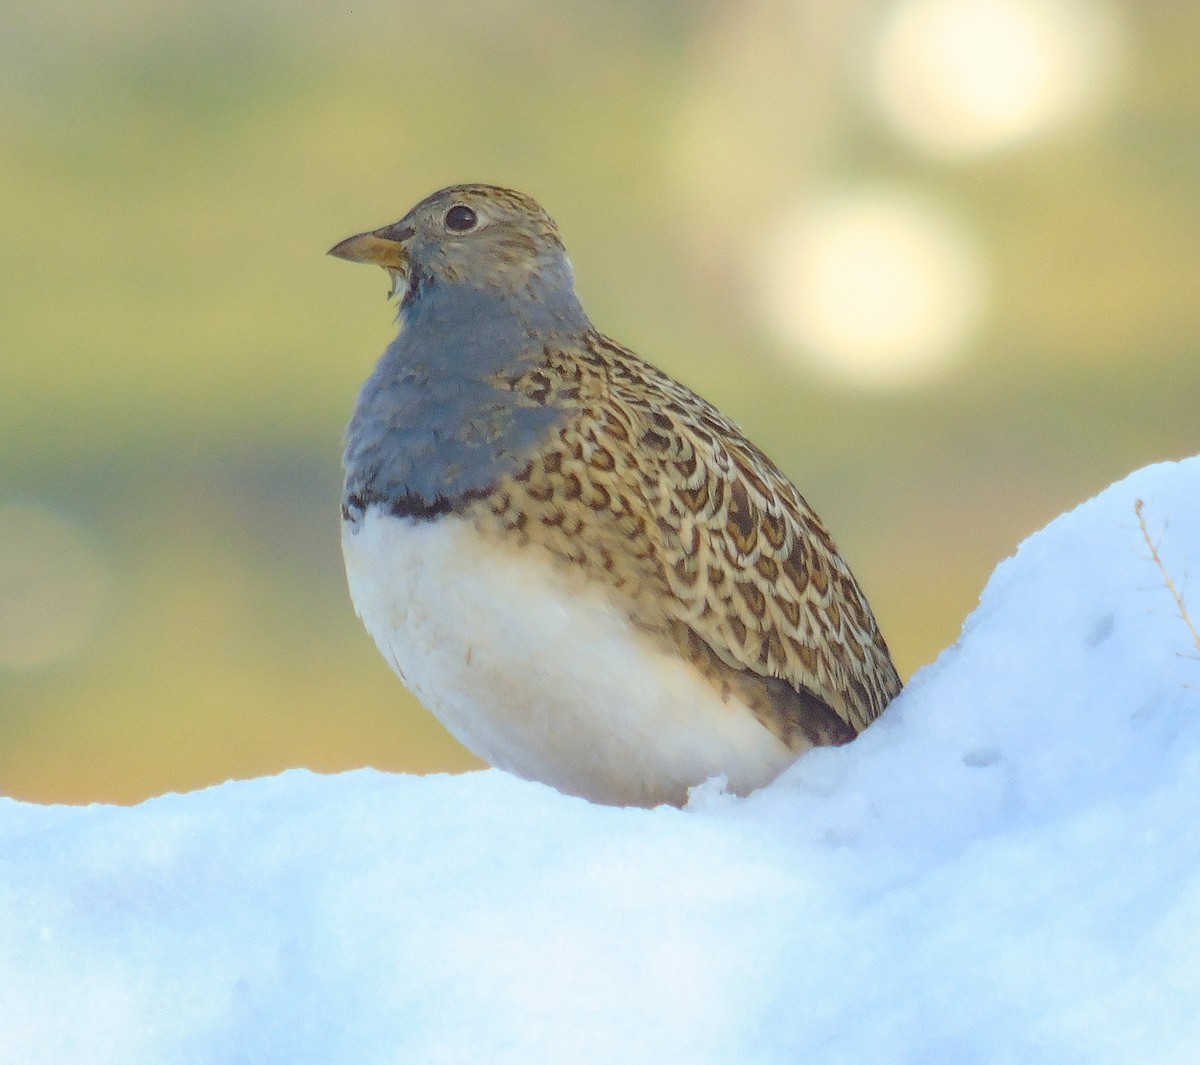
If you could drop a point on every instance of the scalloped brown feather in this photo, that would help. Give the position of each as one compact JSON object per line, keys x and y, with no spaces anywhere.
{"x":654,"y":493}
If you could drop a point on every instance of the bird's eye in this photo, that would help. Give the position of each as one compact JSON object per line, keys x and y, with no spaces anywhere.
{"x":461,"y":219}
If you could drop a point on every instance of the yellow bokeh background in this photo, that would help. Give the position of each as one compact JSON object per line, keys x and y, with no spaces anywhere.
{"x":986,"y":211}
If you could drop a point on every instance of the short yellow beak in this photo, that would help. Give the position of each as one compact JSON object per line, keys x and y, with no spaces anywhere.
{"x":373,"y":247}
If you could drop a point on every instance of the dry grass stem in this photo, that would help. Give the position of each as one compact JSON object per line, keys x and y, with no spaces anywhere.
{"x":1139,"y":507}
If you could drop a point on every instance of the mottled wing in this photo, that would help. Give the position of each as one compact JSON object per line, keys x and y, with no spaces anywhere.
{"x":752,"y":570}
{"x":654,"y":493}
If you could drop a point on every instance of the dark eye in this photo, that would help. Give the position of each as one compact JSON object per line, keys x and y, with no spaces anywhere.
{"x":460,"y":218}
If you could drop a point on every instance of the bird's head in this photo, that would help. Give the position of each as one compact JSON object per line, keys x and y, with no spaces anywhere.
{"x":479,"y":236}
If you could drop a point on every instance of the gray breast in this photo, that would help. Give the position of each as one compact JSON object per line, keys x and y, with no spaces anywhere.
{"x":431,"y":431}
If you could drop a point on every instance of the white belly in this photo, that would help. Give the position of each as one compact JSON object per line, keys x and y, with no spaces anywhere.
{"x":542,"y":675}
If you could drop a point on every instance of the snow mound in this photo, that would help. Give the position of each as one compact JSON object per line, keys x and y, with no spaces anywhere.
{"x":1005,"y":868}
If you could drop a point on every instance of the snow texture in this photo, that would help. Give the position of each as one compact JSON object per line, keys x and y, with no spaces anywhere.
{"x":1006,"y":868}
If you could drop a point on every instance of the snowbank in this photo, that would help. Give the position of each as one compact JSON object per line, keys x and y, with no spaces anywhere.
{"x":1006,"y":868}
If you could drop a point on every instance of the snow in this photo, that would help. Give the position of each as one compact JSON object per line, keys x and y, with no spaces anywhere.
{"x":1006,"y":868}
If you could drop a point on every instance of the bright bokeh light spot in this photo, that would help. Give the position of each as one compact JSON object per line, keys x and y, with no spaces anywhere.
{"x":873,"y":286}
{"x":52,"y":588}
{"x":960,"y":77}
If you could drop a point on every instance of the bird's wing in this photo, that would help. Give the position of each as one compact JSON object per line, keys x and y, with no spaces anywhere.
{"x":652,"y":492}
{"x":753,"y":573}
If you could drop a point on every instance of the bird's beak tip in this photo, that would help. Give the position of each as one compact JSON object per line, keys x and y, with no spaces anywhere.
{"x":371,"y":248}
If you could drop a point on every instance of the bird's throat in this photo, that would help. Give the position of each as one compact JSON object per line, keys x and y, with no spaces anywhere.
{"x":432,"y":428}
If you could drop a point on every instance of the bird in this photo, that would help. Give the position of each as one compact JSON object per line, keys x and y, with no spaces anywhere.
{"x":586,"y":571}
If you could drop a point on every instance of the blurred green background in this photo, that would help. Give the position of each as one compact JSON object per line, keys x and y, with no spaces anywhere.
{"x":940,"y":258}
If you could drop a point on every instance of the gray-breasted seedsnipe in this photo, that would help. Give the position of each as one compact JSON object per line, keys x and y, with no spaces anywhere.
{"x":586,"y":571}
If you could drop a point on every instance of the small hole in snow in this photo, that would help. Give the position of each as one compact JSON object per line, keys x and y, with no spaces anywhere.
{"x":981,"y":757}
{"x":1101,"y":631}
